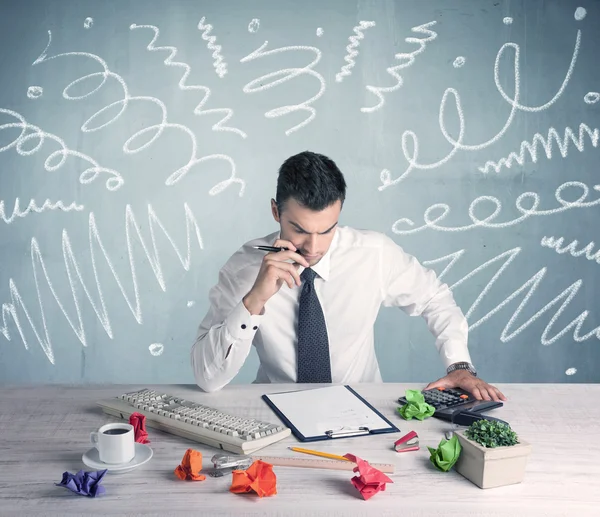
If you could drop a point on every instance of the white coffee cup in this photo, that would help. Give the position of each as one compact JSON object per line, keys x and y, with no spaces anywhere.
{"x":115,"y":443}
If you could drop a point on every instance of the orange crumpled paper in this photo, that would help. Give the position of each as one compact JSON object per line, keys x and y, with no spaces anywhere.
{"x":370,"y":480}
{"x":138,"y":421}
{"x":258,"y":477}
{"x":190,"y":466}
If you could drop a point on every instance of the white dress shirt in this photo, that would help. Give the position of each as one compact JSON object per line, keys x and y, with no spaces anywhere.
{"x":361,"y":271}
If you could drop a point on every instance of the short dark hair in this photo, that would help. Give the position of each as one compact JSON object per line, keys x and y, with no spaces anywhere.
{"x":312,"y":179}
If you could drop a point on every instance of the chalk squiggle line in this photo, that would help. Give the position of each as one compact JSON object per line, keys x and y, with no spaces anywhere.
{"x":351,"y":49}
{"x":32,"y":207}
{"x":547,"y":145}
{"x":530,"y":286}
{"x":90,"y":174}
{"x":285,"y":75}
{"x":158,"y":128}
{"x":219,"y":63}
{"x":409,"y":59}
{"x":571,"y":248}
{"x":74,"y":273}
{"x":487,"y":221}
{"x":410,"y":141}
{"x":198,"y":110}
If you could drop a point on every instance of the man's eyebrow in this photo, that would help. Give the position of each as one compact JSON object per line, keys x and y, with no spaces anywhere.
{"x":303,"y":230}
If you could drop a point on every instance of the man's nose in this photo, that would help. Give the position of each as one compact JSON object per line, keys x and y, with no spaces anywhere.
{"x":311,"y":245}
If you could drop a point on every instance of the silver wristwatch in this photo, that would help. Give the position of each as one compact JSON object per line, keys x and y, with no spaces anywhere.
{"x":462,"y":366}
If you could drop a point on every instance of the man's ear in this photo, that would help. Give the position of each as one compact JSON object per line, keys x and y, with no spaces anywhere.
{"x":274,"y":210}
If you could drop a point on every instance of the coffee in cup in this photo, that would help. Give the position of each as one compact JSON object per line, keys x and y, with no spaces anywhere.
{"x":115,"y":443}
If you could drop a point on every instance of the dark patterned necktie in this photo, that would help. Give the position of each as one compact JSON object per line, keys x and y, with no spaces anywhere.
{"x":313,"y":344}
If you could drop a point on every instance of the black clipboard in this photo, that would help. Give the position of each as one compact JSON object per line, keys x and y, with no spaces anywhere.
{"x":333,"y":433}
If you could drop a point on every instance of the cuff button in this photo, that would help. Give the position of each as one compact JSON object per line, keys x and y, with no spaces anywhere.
{"x":243,"y":325}
{"x":255,"y":327}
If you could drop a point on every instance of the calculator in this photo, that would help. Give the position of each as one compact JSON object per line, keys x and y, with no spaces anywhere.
{"x":446,"y":401}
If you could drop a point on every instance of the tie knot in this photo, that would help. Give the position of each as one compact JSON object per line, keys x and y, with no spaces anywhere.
{"x":308,"y":275}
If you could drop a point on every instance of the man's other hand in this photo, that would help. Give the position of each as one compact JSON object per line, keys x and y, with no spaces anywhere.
{"x":480,"y":389}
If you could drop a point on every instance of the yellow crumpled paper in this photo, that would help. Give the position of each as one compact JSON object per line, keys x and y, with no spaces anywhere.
{"x":416,"y":406}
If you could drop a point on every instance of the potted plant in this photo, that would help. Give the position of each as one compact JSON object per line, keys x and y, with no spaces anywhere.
{"x":492,"y":454}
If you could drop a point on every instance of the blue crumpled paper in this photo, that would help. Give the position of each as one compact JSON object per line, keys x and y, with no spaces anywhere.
{"x":84,"y":483}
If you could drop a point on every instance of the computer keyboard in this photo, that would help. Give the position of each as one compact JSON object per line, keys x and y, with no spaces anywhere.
{"x":195,"y":421}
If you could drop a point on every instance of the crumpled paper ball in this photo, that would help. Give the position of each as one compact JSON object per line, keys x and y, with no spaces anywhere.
{"x":138,"y":421}
{"x":446,"y":454}
{"x":370,"y":480}
{"x":258,"y":477}
{"x":84,"y":483}
{"x":416,"y":407}
{"x":190,"y":466}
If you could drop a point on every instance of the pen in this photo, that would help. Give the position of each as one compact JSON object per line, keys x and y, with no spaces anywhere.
{"x":272,"y":248}
{"x":317,"y":453}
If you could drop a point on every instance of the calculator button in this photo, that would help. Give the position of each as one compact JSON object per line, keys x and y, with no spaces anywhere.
{"x":441,"y":389}
{"x":464,"y":396}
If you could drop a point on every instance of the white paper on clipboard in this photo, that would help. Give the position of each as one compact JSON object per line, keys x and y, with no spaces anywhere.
{"x":314,"y":412}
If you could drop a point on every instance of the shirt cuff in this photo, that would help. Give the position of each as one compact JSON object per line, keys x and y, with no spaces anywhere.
{"x":455,"y":353}
{"x":241,"y":324}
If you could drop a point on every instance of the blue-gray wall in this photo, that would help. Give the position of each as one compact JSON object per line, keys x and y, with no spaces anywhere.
{"x":112,"y":284}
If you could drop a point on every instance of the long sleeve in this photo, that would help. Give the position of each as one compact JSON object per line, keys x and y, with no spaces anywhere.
{"x":225,"y":335}
{"x":418,"y":292}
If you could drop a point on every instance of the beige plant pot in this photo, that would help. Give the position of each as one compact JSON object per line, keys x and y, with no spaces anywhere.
{"x":489,"y":467}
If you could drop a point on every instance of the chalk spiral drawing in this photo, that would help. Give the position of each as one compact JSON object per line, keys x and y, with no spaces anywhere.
{"x":410,"y":141}
{"x":33,"y":207}
{"x":591,"y":97}
{"x":459,"y":62}
{"x":117,"y":181}
{"x":219,"y":63}
{"x":407,"y":59}
{"x":532,"y":148}
{"x":571,"y":248}
{"x":35,"y":92}
{"x":88,"y":22}
{"x":31,"y":132}
{"x":352,"y":49}
{"x":254,"y":25}
{"x":281,"y":76}
{"x":487,"y":222}
{"x":17,"y":306}
{"x":506,"y":258}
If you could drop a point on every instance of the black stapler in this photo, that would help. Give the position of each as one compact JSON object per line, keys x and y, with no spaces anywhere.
{"x":466,"y":417}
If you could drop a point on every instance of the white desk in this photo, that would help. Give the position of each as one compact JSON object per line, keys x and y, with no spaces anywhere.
{"x":45,"y":430}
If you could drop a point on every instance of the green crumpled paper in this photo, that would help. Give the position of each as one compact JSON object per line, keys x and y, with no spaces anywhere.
{"x":416,"y":406}
{"x":445,"y":456}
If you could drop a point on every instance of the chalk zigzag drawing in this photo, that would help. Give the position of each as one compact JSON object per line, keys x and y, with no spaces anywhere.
{"x":219,"y":62}
{"x":351,"y":49}
{"x":17,"y":305}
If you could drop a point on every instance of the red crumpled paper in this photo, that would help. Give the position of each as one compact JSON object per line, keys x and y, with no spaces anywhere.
{"x":258,"y":477}
{"x":370,"y":480}
{"x":138,"y":421}
{"x":190,"y":466}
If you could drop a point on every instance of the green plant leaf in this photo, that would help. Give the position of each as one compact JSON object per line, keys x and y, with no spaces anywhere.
{"x":491,"y":434}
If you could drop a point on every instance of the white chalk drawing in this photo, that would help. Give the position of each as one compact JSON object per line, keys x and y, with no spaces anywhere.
{"x":319,"y":32}
{"x":410,"y":141}
{"x":571,"y":248}
{"x":281,"y":76}
{"x":254,"y":25}
{"x":352,"y":49}
{"x":591,"y":97}
{"x":33,"y":207}
{"x":580,"y":13}
{"x":35,"y":92}
{"x":506,"y":258}
{"x":226,"y":112}
{"x":507,"y":20}
{"x":431,"y":221}
{"x":88,"y":22}
{"x":219,"y":63}
{"x":459,"y":62}
{"x":532,"y":148}
{"x":191,"y":303}
{"x":156,"y":349}
{"x":571,"y":371}
{"x":158,"y":129}
{"x":407,"y":60}
{"x":17,"y":307}
{"x":58,"y":158}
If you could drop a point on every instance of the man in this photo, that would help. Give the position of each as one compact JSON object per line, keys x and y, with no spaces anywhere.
{"x":309,"y":310}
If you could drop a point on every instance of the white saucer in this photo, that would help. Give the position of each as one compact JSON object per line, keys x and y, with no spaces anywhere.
{"x":143,"y":453}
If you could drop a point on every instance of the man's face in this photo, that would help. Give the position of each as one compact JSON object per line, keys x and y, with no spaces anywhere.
{"x":311,"y":232}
